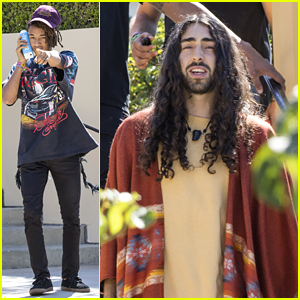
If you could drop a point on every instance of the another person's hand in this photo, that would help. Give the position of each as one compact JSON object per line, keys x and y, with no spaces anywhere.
{"x":258,"y":66}
{"x":142,"y":54}
{"x":21,"y":44}
{"x":271,"y":114}
{"x":42,"y":56}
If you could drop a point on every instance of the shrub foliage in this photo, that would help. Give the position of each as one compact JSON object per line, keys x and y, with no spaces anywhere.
{"x":74,"y":15}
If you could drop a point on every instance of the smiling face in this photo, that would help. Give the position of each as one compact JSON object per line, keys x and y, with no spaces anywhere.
{"x":197,"y":59}
{"x":38,"y":39}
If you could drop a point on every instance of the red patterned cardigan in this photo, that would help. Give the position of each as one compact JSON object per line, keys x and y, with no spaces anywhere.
{"x":260,"y":258}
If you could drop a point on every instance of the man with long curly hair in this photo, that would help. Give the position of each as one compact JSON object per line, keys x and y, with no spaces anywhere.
{"x":189,"y":157}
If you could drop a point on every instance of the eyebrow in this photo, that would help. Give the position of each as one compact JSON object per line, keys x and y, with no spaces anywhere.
{"x":40,"y":34}
{"x":192,"y":39}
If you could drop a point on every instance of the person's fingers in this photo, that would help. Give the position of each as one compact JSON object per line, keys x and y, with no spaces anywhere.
{"x":257,"y":84}
{"x":142,"y":66}
{"x":141,"y":62}
{"x":254,"y":74}
{"x":39,"y":59}
{"x":19,"y":39}
{"x":142,"y":58}
{"x":22,"y":43}
{"x":137,"y":43}
{"x":38,"y":52}
{"x":19,"y":48}
{"x":42,"y":59}
{"x":137,"y":46}
{"x":144,"y":55}
{"x":40,"y":55}
{"x":258,"y":66}
{"x":45,"y":60}
{"x":271,"y":113}
{"x":273,"y":73}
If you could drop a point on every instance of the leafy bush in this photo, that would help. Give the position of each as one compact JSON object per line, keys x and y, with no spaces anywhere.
{"x":143,"y":81}
{"x":120,"y":211}
{"x":74,"y":15}
{"x":269,"y":159}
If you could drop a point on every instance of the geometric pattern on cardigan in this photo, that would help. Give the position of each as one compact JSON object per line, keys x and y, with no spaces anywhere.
{"x":234,"y":270}
{"x":135,"y":258}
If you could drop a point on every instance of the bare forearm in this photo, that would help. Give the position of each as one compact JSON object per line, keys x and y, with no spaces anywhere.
{"x":10,"y":90}
{"x":146,"y":20}
{"x":110,"y":288}
{"x":140,"y":23}
{"x":177,"y":12}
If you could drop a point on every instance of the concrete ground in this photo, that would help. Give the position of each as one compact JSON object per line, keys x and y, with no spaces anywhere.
{"x":17,"y":282}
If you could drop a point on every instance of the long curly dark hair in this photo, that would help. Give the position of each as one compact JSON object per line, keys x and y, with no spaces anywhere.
{"x":233,"y":103}
{"x":53,"y":36}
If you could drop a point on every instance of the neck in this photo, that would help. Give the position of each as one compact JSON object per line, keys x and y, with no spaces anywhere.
{"x":199,"y":105}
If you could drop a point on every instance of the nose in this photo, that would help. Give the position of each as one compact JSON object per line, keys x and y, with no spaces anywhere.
{"x":198,"y":54}
{"x":36,"y":41}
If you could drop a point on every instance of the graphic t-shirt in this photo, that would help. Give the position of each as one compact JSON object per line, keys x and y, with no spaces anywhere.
{"x":50,"y":127}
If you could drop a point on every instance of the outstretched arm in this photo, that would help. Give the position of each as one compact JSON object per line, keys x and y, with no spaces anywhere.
{"x":51,"y":57}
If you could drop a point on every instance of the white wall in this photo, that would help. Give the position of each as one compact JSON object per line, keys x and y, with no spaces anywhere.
{"x":85,"y":44}
{"x":133,"y":7}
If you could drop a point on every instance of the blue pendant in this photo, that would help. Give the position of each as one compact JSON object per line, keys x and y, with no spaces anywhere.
{"x":196,"y":135}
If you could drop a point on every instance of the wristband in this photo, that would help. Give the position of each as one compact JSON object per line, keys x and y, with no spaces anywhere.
{"x":133,"y":37}
{"x":21,"y":65}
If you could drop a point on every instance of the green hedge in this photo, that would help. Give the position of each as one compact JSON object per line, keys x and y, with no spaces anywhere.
{"x":15,"y":15}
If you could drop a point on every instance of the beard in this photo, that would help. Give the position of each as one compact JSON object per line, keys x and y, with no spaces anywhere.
{"x":199,"y":86}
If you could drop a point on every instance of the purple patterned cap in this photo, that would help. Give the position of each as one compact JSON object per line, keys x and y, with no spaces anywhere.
{"x":46,"y":14}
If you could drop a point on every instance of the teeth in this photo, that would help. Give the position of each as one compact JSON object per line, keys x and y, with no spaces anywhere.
{"x":198,"y":71}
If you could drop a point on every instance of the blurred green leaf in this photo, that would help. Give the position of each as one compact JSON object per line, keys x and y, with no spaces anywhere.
{"x":119,"y":211}
{"x":142,"y":218}
{"x":267,"y":169}
{"x":270,"y":158}
{"x":115,"y":219}
{"x":103,"y":225}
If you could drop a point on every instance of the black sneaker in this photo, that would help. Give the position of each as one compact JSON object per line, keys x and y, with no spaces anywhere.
{"x":41,"y":285}
{"x":74,"y":284}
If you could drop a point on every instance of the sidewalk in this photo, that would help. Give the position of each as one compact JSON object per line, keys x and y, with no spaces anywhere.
{"x":17,"y":282}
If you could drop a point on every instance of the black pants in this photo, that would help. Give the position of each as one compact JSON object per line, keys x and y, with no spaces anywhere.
{"x":66,"y":175}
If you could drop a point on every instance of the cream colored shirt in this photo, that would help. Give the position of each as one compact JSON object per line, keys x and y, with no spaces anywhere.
{"x":195,"y":212}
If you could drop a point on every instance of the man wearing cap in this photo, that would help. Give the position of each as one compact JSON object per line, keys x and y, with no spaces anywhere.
{"x":52,"y":138}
